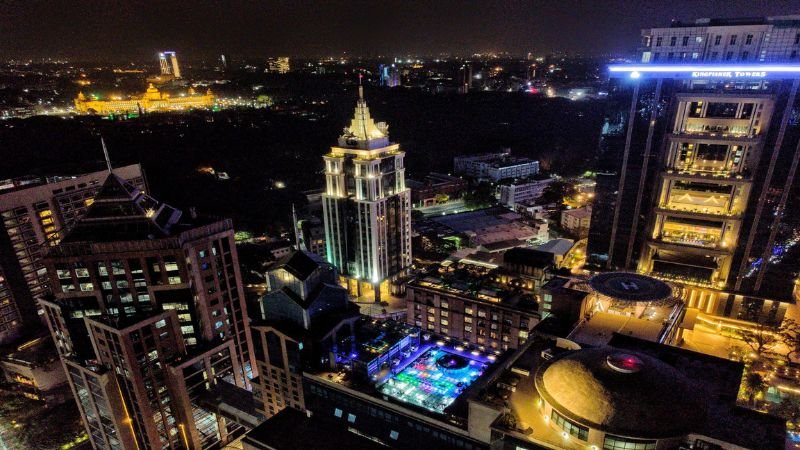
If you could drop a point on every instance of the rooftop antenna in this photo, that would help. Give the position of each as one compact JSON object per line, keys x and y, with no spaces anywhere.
{"x":105,"y":153}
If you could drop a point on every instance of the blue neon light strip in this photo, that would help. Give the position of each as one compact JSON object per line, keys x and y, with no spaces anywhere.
{"x":678,"y":68}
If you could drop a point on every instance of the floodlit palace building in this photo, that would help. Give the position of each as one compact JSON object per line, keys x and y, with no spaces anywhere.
{"x":151,"y":100}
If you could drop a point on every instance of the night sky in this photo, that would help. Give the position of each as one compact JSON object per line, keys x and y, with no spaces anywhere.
{"x":134,"y":29}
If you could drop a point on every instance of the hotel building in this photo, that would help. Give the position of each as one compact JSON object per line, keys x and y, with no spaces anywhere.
{"x":148,"y":314}
{"x":366,"y":205}
{"x":698,"y":166}
{"x":34,"y":217}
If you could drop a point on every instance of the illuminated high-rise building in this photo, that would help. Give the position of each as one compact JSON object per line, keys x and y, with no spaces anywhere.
{"x":33,"y":217}
{"x":169,"y":64}
{"x":148,"y":315}
{"x":389,"y":75}
{"x":278,"y":65}
{"x":698,"y":176}
{"x":366,"y":205}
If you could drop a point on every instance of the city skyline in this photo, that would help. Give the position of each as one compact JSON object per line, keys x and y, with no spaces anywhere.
{"x":39,"y":30}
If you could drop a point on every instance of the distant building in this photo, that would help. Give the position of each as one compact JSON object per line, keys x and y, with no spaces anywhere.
{"x":492,"y":225}
{"x":523,"y":191}
{"x":764,"y":39}
{"x":366,"y":205}
{"x":148,"y":314}
{"x":389,"y":75}
{"x":35,"y":215}
{"x":152,"y":100}
{"x":278,"y":65}
{"x":168,"y":62}
{"x":495,"y":166}
{"x":577,"y":220}
{"x":424,"y":192}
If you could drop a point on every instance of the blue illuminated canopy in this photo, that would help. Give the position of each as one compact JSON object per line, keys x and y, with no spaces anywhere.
{"x":705,"y":71}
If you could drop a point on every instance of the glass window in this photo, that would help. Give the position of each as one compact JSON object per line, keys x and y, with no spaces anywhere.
{"x":351,"y":418}
{"x":337,"y":412}
{"x":572,"y":428}
{"x":612,"y":442}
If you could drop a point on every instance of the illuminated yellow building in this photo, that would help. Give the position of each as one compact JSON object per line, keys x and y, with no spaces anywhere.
{"x":151,"y":100}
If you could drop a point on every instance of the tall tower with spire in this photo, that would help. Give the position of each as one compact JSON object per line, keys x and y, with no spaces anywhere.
{"x":366,"y":205}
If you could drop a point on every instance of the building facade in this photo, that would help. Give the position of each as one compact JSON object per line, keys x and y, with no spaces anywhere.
{"x":151,"y":100}
{"x":301,"y":315}
{"x":168,"y":62}
{"x":34,"y":218}
{"x":512,"y":194}
{"x":698,"y":183}
{"x":147,"y":313}
{"x":765,"y":40}
{"x":366,"y":205}
{"x":577,"y":221}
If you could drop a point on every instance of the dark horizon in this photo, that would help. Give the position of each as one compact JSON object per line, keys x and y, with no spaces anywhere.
{"x":136,"y":30}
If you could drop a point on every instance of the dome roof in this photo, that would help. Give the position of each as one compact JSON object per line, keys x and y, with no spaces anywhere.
{"x":621,"y":392}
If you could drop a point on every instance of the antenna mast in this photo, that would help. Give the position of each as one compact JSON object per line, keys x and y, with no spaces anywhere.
{"x":105,"y":153}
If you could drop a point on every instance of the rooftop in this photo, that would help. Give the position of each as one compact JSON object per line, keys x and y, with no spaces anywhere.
{"x":476,"y":282}
{"x":307,"y":432}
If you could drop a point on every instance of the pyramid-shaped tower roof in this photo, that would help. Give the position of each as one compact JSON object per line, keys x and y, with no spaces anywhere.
{"x":121,"y":212}
{"x":363,"y":132}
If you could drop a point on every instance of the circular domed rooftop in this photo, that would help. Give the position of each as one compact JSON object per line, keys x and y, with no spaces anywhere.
{"x":630,"y":287}
{"x":620,"y":392}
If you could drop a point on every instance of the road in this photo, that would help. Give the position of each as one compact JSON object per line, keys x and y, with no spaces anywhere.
{"x":456,"y":206}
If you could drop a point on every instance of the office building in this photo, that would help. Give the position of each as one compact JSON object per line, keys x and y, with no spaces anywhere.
{"x":698,"y":166}
{"x":522,"y":192}
{"x":747,"y":40}
{"x":148,"y":314}
{"x":151,"y":100}
{"x":168,"y":61}
{"x":35,"y":214}
{"x":628,"y":395}
{"x":495,"y":166}
{"x":367,"y":206}
{"x":305,"y":311}
{"x":278,"y":65}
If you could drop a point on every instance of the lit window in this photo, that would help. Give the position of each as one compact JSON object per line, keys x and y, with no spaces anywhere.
{"x":394,"y":435}
{"x":351,"y":418}
{"x":337,"y":412}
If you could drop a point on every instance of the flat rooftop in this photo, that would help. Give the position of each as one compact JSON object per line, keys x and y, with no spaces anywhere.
{"x":598,"y":331}
{"x":314,"y":432}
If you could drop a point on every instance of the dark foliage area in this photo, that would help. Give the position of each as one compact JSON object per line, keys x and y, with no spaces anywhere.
{"x":258,"y":148}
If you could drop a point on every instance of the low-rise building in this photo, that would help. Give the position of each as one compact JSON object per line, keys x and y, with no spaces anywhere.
{"x":577,"y":220}
{"x":495,"y":166}
{"x":151,"y":100}
{"x":630,"y":394}
{"x":523,"y":191}
{"x":35,"y":370}
{"x":425,"y":192}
